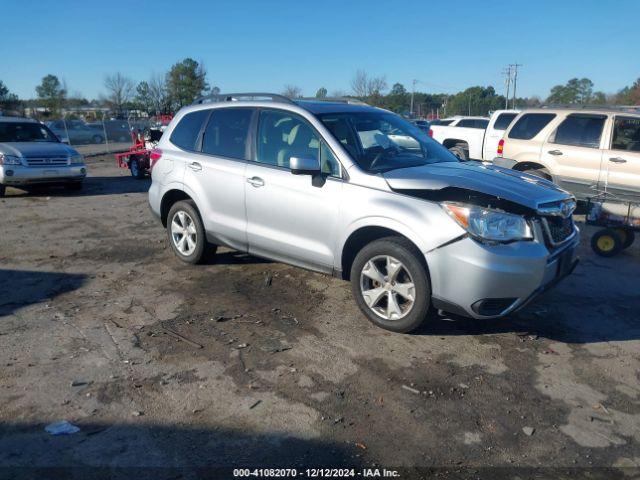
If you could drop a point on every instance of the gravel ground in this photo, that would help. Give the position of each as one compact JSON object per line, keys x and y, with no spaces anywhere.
{"x":248,"y":362}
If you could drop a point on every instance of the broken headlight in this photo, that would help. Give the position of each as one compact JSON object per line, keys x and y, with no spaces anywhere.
{"x":489,"y":225}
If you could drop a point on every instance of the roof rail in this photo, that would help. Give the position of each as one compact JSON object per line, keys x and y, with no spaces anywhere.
{"x":235,"y":97}
{"x":349,"y":100}
{"x":622,"y":108}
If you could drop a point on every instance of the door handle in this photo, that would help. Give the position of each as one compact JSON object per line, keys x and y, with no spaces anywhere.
{"x":617,"y":160}
{"x":195,"y":166}
{"x":256,"y":181}
{"x":554,"y":152}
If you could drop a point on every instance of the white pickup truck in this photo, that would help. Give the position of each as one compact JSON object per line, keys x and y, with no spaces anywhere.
{"x":473,"y":138}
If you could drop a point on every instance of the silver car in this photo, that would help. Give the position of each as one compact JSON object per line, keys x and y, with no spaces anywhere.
{"x":358,"y":192}
{"x":31,"y":154}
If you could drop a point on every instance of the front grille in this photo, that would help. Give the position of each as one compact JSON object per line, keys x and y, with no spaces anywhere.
{"x":558,"y":229}
{"x":47,"y":161}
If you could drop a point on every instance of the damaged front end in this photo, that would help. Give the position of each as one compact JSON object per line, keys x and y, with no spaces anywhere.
{"x":520,"y":237}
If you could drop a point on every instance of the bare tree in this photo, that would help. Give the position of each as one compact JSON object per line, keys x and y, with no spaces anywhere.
{"x":292,"y":91}
{"x":376,"y":85}
{"x":119,"y":90}
{"x":158,"y":93}
{"x":359,"y":84}
{"x":365,"y":86}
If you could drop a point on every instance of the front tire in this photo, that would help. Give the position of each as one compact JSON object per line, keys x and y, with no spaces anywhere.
{"x":390,"y":283}
{"x":186,"y":233}
{"x":97,"y":139}
{"x":3,"y":190}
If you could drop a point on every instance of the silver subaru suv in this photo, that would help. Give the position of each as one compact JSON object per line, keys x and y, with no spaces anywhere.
{"x":347,"y":189}
{"x":31,"y":154}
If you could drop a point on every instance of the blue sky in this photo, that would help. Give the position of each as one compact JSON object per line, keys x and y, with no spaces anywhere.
{"x":263,"y":45}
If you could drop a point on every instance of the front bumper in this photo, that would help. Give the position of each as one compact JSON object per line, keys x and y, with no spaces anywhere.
{"x":19,"y":175}
{"x":487,"y":281}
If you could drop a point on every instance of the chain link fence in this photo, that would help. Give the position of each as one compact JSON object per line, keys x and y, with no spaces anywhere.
{"x":91,"y":136}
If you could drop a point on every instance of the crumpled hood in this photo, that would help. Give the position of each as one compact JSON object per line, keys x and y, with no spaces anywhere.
{"x":518,"y":187}
{"x":36,"y":149}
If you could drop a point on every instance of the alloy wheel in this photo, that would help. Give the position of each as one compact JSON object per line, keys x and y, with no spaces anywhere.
{"x":387,"y":287}
{"x":183,"y":233}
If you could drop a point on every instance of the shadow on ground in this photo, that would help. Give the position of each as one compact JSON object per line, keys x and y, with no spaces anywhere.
{"x":21,"y":288}
{"x":92,"y":186}
{"x":157,"y":452}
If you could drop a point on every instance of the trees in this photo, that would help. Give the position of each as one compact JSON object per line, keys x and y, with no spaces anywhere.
{"x":119,"y":91}
{"x":143,"y":97}
{"x":8,"y":100}
{"x":51,"y":93}
{"x":185,"y":82}
{"x":575,"y":91}
{"x":321,"y":93}
{"x":474,"y":101}
{"x":292,"y":91}
{"x":629,"y":95}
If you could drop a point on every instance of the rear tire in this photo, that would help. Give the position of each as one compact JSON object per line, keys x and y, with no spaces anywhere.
{"x":97,"y":139}
{"x":400,"y":300}
{"x":460,"y":152}
{"x":606,"y":242}
{"x":186,"y":233}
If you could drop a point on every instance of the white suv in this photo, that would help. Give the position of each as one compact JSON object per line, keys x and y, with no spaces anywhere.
{"x":358,"y":192}
{"x":582,"y":150}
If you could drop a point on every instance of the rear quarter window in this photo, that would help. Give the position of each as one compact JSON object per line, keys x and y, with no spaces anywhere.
{"x":504,"y":120}
{"x":186,"y":133}
{"x":530,"y":124}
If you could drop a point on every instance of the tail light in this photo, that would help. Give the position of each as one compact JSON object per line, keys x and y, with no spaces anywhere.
{"x":154,"y":156}
{"x":500,"y":147}
{"x":431,"y":133}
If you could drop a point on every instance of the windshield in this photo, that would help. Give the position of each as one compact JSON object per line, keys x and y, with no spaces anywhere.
{"x":25,"y":132}
{"x":381,"y":141}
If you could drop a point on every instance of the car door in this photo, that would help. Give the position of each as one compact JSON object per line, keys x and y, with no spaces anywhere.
{"x":292,"y":218}
{"x":573,"y":153}
{"x":217,"y":172}
{"x":621,"y":160}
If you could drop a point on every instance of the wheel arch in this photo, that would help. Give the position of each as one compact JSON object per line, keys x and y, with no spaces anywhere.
{"x":362,"y":235}
{"x":169,"y":199}
{"x":452,"y":142}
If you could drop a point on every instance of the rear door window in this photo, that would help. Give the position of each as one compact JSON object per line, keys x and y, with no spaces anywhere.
{"x":580,"y":130}
{"x":626,"y":134}
{"x":504,"y":120}
{"x":530,"y":125}
{"x":226,"y":133}
{"x":186,"y":133}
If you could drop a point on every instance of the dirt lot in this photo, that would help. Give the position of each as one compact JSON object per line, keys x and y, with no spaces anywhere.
{"x":247,"y":362}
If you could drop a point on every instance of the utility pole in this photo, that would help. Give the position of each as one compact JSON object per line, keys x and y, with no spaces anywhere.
{"x":413,"y":92}
{"x":507,"y":82}
{"x":515,"y":80}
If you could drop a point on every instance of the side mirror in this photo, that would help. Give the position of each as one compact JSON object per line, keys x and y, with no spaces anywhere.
{"x":304,"y":166}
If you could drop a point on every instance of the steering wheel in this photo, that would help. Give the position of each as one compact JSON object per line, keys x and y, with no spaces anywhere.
{"x":384,"y":151}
